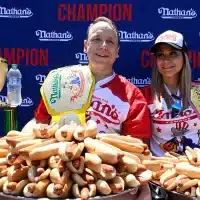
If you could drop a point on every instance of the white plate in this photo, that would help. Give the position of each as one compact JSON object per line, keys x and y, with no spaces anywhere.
{"x":11,"y":197}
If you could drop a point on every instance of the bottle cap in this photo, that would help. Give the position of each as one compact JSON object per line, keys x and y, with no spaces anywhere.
{"x":14,"y":66}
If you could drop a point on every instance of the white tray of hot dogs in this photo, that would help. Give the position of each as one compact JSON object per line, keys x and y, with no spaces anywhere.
{"x":113,"y":196}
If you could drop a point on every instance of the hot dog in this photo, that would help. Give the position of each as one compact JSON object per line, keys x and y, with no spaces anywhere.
{"x":3,"y":153}
{"x":4,"y":144}
{"x":123,"y":145}
{"x":170,"y":173}
{"x":65,"y":133}
{"x":180,"y":177}
{"x":188,"y":170}
{"x":14,"y":133}
{"x":78,"y":179}
{"x":27,"y":150}
{"x":91,"y":129}
{"x":152,"y":165}
{"x":3,"y":161}
{"x":45,"y":130}
{"x":117,"y":185}
{"x":76,"y":166}
{"x":132,"y":156}
{"x":144,"y":177}
{"x":15,"y":159}
{"x":37,"y":174}
{"x":90,"y":179}
{"x":14,"y":188}
{"x":59,"y":191}
{"x":89,"y":176}
{"x":188,"y":184}
{"x":103,"y":187}
{"x":36,"y":189}
{"x":79,"y":133}
{"x":131,"y":181}
{"x":56,"y":162}
{"x":197,"y":150}
{"x":17,"y":173}
{"x":170,"y":184}
{"x":168,"y":166}
{"x":11,"y":158}
{"x":141,"y":156}
{"x":93,"y":162}
{"x":191,"y":155}
{"x":156,"y":175}
{"x":70,"y":150}
{"x":123,"y":138}
{"x":27,"y":143}
{"x":44,"y":152}
{"x":107,"y":172}
{"x":85,"y":192}
{"x":3,"y":170}
{"x":131,"y":165}
{"x":173,"y":160}
{"x":108,"y":154}
{"x":13,"y":141}
{"x":59,"y":177}
{"x":2,"y":181}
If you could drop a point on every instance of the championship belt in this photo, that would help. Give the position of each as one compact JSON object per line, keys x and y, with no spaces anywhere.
{"x":195,"y":97}
{"x":67,"y":93}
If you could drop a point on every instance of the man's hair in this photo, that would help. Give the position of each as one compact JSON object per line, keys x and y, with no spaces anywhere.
{"x":104,"y":19}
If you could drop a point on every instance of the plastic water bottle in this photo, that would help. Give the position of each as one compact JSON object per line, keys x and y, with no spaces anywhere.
{"x":14,"y":86}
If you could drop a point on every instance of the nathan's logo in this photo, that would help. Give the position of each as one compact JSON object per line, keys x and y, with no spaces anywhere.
{"x":55,"y":88}
{"x":26,"y":102}
{"x":53,"y":36}
{"x":108,"y":113}
{"x":162,"y":114}
{"x":3,"y":99}
{"x":82,"y":58}
{"x":135,"y":37}
{"x":139,"y":81}
{"x":15,"y":13}
{"x":40,"y":78}
{"x":176,"y":13}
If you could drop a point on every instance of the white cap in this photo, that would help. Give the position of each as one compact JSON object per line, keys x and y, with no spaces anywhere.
{"x":172,"y":38}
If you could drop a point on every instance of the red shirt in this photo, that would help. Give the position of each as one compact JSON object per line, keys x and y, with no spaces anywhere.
{"x":171,"y":134}
{"x":117,"y":106}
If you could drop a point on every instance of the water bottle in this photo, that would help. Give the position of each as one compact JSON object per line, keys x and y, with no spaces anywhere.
{"x":14,"y":86}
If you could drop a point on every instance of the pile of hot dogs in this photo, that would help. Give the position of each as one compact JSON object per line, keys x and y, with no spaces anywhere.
{"x":180,"y":173}
{"x":71,"y":162}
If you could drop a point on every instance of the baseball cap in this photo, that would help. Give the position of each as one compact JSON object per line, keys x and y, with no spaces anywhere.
{"x":172,"y":38}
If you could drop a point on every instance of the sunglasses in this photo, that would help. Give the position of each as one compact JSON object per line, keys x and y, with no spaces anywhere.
{"x":177,"y":106}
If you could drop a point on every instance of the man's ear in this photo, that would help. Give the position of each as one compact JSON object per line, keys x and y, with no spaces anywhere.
{"x":85,"y":46}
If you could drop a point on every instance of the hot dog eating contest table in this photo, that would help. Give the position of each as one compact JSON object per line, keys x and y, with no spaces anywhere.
{"x":68,"y":156}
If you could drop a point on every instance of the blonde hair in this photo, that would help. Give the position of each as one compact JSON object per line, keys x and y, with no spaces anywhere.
{"x":184,"y":83}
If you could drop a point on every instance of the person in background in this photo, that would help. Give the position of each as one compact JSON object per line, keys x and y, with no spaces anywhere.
{"x":175,"y":123}
{"x":128,"y":112}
